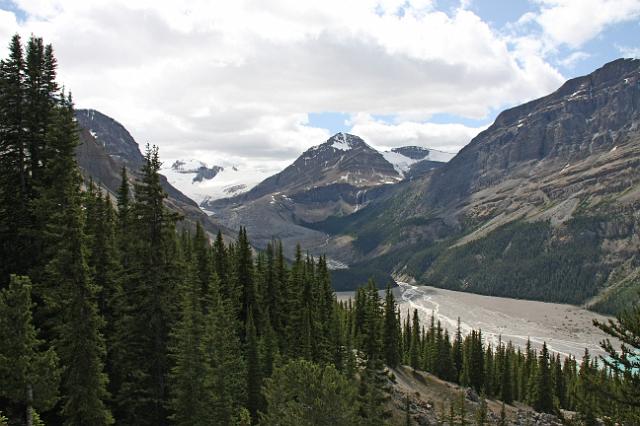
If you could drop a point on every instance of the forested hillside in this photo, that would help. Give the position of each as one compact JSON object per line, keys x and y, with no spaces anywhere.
{"x":110,"y":315}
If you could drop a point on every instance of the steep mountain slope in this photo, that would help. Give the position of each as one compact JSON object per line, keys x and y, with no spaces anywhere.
{"x":333,"y":179}
{"x":106,"y":146}
{"x":543,"y":204}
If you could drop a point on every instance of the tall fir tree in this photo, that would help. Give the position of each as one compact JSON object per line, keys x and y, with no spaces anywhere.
{"x":70,"y":293}
{"x":391,"y":331}
{"x":29,"y":373}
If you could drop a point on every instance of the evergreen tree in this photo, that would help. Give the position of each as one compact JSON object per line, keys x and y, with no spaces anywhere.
{"x":506,"y":383}
{"x":151,"y":283}
{"x":544,"y":394}
{"x":625,"y":361}
{"x":414,"y":350}
{"x":254,"y":376}
{"x":391,"y":330}
{"x":29,"y":373}
{"x":457,"y":352}
{"x":305,"y":394}
{"x":245,"y":276}
{"x":70,"y":293}
{"x":14,"y":195}
{"x":224,"y":352}
{"x":193,"y":400}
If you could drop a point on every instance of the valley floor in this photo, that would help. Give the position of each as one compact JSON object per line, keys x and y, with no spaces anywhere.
{"x":567,"y":329}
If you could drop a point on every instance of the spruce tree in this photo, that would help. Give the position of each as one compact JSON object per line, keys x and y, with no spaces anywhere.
{"x":391,"y":331}
{"x":302,"y":393}
{"x":625,"y":361}
{"x":14,"y":195}
{"x":151,"y":281}
{"x":414,"y":349}
{"x":224,"y":352}
{"x":544,"y":394}
{"x":70,"y":294}
{"x":192,"y":401}
{"x":254,"y":376}
{"x":28,"y":372}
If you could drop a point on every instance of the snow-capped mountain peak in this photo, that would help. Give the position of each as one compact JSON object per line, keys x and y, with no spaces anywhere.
{"x":188,"y":166}
{"x":202,"y":182}
{"x":403,"y":158}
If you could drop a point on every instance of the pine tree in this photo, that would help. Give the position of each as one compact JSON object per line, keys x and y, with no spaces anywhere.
{"x":506,"y":383}
{"x":224,"y":351}
{"x":544,"y":391}
{"x":14,"y":195}
{"x":414,"y":350}
{"x":391,"y":331}
{"x":302,"y":393}
{"x":254,"y":376}
{"x":70,"y":293}
{"x":457,"y":352}
{"x":626,"y":329}
{"x":192,"y":401}
{"x":29,"y":373}
{"x":151,"y":282}
{"x":245,"y":276}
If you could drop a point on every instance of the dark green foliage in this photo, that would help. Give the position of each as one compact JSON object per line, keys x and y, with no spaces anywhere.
{"x":70,"y":293}
{"x":624,"y":362}
{"x":28,"y":372}
{"x":254,"y":372}
{"x":543,"y":401}
{"x":164,"y":327}
{"x":302,"y":393}
{"x":524,"y":260}
{"x":391,"y":331}
{"x":193,"y":398}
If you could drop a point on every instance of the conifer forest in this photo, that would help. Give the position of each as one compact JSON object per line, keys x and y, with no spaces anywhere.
{"x":116,"y":311}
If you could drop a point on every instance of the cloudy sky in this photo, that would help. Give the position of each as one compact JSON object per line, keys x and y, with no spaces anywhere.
{"x":258,"y":82}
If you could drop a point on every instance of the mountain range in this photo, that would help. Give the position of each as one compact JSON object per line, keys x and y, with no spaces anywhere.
{"x":106,"y":147}
{"x":542,"y":205}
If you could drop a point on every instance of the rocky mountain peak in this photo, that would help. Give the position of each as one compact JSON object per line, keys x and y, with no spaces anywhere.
{"x":112,"y":136}
{"x":413,"y":152}
{"x":197,"y":168}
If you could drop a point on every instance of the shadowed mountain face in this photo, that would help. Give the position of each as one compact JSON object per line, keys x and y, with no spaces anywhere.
{"x":106,"y":146}
{"x":543,"y":204}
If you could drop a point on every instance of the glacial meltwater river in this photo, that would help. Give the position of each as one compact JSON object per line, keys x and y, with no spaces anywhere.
{"x":567,"y":329}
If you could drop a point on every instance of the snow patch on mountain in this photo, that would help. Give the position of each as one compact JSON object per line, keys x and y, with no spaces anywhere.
{"x":340,"y":142}
{"x":219,"y":181}
{"x":401,"y":163}
{"x":403,"y":158}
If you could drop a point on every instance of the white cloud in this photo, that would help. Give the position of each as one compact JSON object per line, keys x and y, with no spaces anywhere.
{"x":384,"y":136}
{"x":629,"y":52}
{"x":239,"y":78}
{"x":572,"y":59}
{"x":8,"y":26}
{"x":574,"y":22}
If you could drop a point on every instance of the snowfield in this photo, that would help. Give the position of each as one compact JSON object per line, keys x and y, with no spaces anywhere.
{"x":232,"y":180}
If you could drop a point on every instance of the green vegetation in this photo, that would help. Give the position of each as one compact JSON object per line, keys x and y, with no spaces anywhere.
{"x":115,"y":316}
{"x":525,"y":260}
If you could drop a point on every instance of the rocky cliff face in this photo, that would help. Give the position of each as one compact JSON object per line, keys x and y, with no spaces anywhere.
{"x":106,"y":146}
{"x":543,"y":204}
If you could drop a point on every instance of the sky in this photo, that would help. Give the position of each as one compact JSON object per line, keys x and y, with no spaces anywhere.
{"x":258,"y":82}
